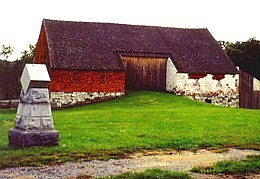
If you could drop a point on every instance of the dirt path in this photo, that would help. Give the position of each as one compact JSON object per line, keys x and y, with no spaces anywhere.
{"x":169,"y":160}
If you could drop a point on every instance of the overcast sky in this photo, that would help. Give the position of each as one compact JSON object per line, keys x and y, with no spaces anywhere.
{"x":228,"y":20}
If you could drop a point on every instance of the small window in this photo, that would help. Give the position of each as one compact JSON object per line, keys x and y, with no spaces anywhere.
{"x":102,"y":79}
{"x":256,"y":85}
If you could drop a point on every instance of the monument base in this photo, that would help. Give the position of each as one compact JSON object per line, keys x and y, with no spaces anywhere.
{"x":20,"y":139}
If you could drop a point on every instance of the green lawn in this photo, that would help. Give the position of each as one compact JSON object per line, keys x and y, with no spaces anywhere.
{"x":151,"y":174}
{"x":139,"y":121}
{"x":249,"y":165}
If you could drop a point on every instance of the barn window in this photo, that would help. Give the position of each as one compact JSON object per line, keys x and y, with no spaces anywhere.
{"x":102,"y":79}
{"x":256,"y":85}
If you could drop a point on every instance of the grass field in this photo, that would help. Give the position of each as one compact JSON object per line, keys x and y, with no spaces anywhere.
{"x":250,"y":165}
{"x":139,"y":121}
{"x":151,"y":174}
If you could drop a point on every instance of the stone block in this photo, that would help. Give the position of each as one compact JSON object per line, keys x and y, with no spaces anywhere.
{"x":21,"y":139}
{"x":39,"y":109}
{"x":47,"y":123}
{"x":95,"y":95}
{"x":108,"y":94}
{"x":118,"y":94}
{"x":35,"y":76}
{"x":34,"y":123}
{"x":21,"y":123}
{"x":35,"y":95}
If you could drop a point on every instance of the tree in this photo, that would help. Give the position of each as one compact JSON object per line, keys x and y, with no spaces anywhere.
{"x":10,"y":72}
{"x":246,"y":55}
{"x":27,"y":55}
{"x":6,"y":51}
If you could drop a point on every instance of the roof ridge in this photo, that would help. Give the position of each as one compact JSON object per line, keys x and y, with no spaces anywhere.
{"x":114,"y":23}
{"x":95,"y":45}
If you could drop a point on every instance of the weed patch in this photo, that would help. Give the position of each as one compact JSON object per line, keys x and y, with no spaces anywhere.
{"x":151,"y":174}
{"x":249,"y":165}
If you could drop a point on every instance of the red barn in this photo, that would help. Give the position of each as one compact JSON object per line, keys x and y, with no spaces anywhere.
{"x":95,"y":60}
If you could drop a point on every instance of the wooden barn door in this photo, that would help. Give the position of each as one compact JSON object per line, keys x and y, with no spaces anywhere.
{"x":144,"y":73}
{"x":248,"y":97}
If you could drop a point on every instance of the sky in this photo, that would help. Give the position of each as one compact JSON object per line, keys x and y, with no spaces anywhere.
{"x":227,"y":20}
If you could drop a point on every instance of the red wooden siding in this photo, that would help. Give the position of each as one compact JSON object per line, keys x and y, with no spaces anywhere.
{"x":145,"y":73}
{"x":248,"y":98}
{"x":87,"y":81}
{"x":41,"y":52}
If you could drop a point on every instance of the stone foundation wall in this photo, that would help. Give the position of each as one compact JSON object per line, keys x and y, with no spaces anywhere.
{"x":9,"y":104}
{"x":220,"y":90}
{"x":64,"y":100}
{"x":219,"y":98}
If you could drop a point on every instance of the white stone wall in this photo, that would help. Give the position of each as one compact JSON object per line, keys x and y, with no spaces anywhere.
{"x":63,"y":99}
{"x":171,"y":77}
{"x":256,"y":84}
{"x":220,"y":92}
{"x":9,"y":104}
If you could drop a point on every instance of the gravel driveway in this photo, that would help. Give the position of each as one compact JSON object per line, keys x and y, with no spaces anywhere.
{"x":169,"y":160}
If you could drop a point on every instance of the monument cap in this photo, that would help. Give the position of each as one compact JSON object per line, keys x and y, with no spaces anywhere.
{"x":35,"y":76}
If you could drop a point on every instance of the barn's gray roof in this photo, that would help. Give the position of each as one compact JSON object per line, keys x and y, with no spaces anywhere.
{"x":98,"y":46}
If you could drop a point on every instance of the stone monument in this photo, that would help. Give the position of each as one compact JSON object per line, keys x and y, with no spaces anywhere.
{"x":33,"y":123}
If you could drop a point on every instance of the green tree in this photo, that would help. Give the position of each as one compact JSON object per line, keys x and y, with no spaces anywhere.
{"x":10,"y":72}
{"x":5,"y":80}
{"x":27,"y":55}
{"x":246,"y":55}
{"x":6,"y":51}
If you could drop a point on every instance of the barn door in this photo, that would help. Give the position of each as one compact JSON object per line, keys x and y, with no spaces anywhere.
{"x":144,"y":73}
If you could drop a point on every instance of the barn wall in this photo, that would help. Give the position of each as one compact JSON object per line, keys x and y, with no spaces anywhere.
{"x":77,"y":87}
{"x":145,"y":73}
{"x":86,"y":81}
{"x":249,"y":96}
{"x":171,"y":75}
{"x":41,"y":52}
{"x":216,"y":89}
